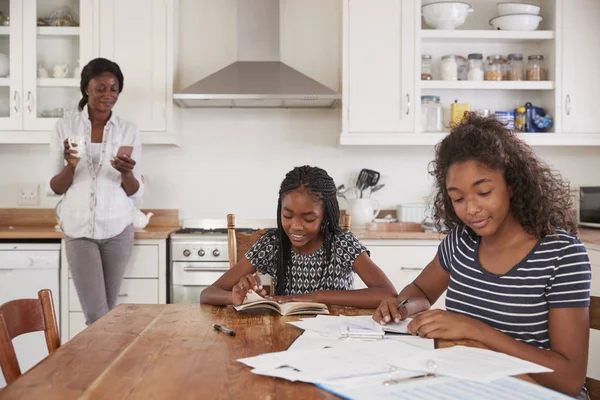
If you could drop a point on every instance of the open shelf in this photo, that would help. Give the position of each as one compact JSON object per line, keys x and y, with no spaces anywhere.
{"x":485,"y":35}
{"x":58,"y":82}
{"x":58,"y":30}
{"x":488,"y":85}
{"x":4,"y":81}
{"x":4,"y":30}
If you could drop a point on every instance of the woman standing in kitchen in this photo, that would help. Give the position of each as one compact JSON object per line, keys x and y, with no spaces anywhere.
{"x":95,"y":166}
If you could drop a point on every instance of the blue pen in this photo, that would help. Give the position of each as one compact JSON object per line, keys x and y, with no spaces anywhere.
{"x":224,"y":330}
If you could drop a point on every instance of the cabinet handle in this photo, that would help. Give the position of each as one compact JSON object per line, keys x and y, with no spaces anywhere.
{"x":411,"y":269}
{"x":407,"y":103}
{"x":568,"y":104}
{"x":29,"y":98}
{"x":123,"y":295}
{"x":16,"y":101}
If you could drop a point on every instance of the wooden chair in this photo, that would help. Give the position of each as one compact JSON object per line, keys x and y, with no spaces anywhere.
{"x":593,"y":385}
{"x":22,"y":316}
{"x":346,"y":221}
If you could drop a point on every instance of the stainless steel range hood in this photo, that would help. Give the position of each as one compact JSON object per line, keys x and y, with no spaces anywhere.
{"x":258,"y":79}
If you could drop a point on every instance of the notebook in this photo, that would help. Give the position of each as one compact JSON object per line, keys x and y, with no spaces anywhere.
{"x":256,"y":302}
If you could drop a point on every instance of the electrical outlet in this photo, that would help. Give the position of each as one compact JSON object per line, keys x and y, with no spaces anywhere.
{"x":28,"y":196}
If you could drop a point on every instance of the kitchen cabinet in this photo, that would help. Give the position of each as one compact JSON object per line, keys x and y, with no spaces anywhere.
{"x":144,"y":282}
{"x":140,"y":36}
{"x":580,"y":60}
{"x":402,"y":261}
{"x":41,"y":85}
{"x":372,"y":87}
{"x":379,"y":67}
{"x":593,"y":370}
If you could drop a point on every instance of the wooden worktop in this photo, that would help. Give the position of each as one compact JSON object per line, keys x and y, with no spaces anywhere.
{"x":590,"y":236}
{"x":364,"y":234}
{"x":40,"y":223}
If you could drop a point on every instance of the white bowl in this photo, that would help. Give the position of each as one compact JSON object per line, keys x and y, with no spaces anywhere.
{"x":446,"y":15}
{"x":509,"y":8}
{"x":516,"y":22}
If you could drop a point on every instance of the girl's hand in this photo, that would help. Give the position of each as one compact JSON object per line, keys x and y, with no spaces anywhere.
{"x":123,"y":163}
{"x":439,"y":324}
{"x":68,"y":154}
{"x":388,"y":311}
{"x":247,"y":284}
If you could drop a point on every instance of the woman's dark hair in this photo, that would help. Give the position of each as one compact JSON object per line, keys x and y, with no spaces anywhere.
{"x":540,"y":199}
{"x":94,"y":68}
{"x":317,"y":182}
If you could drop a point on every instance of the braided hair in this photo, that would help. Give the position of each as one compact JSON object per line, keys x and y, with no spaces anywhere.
{"x":318,"y":183}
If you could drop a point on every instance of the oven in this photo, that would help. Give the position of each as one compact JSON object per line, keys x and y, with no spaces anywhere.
{"x":199,"y":256}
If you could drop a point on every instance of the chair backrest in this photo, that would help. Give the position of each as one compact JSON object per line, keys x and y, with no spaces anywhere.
{"x":238,"y":243}
{"x":22,"y":316}
{"x":593,"y":385}
{"x":346,"y":222}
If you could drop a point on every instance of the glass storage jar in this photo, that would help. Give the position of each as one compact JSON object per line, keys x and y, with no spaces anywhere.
{"x":475,"y":65}
{"x":494,"y":68}
{"x":431,"y":114}
{"x":536,"y":68}
{"x":449,"y":68}
{"x":515,"y":69}
{"x":426,"y":67}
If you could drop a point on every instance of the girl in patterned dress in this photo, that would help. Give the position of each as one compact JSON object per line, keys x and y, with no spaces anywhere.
{"x":309,"y":257}
{"x":516,"y":276}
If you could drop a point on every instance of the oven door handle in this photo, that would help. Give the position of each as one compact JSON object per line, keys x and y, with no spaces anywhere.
{"x":201,"y":269}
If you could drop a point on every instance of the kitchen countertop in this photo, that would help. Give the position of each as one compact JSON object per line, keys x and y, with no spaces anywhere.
{"x":590,"y":236}
{"x":363,"y":234}
{"x":26,"y":223}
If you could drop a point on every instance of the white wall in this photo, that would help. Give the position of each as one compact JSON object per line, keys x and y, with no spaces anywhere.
{"x":234,"y":160}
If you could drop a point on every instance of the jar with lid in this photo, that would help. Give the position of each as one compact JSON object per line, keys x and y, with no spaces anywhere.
{"x":431,"y":114}
{"x":515,"y":70}
{"x":426,"y":67}
{"x":475,"y":65}
{"x":520,"y":119}
{"x":494,"y":68}
{"x":536,"y":68}
{"x":449,"y":68}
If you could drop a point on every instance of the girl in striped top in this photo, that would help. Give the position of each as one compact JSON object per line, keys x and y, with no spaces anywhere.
{"x":517,"y":276}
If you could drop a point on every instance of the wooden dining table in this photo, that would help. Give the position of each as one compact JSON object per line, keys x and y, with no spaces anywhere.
{"x":171,"y":351}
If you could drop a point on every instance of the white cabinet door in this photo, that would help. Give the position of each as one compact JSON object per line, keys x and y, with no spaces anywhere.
{"x":133,"y":291}
{"x":580,"y":60}
{"x":380,"y":65}
{"x":402,"y":264}
{"x":135,"y":34}
{"x":11,"y":85}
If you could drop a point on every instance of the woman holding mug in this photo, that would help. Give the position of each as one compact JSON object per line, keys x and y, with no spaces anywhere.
{"x":95,"y":167}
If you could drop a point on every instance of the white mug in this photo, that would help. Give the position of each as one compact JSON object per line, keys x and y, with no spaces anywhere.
{"x":80,"y":148}
{"x":363,"y":211}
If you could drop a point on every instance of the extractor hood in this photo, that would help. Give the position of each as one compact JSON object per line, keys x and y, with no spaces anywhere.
{"x":258,"y":79}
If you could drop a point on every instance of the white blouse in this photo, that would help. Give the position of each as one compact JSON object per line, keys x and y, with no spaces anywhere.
{"x":95,"y":205}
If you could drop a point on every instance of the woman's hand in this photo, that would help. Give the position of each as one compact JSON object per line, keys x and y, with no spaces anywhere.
{"x":439,"y":324}
{"x":68,"y":154}
{"x":248,"y":283}
{"x":123,"y":163}
{"x":388,"y":311}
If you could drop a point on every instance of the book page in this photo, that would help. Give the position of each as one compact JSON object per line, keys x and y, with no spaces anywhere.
{"x":300,"y":307}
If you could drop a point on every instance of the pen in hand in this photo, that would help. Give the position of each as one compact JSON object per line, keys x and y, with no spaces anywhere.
{"x":224,"y":330}
{"x":402,"y":304}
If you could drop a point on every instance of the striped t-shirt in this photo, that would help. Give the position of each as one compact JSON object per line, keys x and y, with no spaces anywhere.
{"x":555,"y":274}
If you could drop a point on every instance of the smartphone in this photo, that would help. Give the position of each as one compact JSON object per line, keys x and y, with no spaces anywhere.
{"x":125,"y":150}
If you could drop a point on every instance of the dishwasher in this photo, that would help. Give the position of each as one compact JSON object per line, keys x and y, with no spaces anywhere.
{"x":26,"y":268}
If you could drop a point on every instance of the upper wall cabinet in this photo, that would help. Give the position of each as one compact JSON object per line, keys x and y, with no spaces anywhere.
{"x":41,"y":45}
{"x":386,"y":40}
{"x":580,"y":60}
{"x":46,"y":43}
{"x":379,"y":54}
{"x":139,"y":35}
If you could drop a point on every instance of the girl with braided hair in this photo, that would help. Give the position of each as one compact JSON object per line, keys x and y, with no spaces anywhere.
{"x":309,"y":256}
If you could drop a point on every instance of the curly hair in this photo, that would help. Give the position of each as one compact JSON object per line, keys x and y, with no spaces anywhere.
{"x":318,"y":183}
{"x":541,"y":200}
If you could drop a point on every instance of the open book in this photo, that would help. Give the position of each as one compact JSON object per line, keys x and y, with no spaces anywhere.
{"x":256,"y":302}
